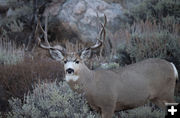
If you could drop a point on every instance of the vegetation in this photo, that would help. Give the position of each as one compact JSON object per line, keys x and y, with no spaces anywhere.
{"x":51,"y":100}
{"x":9,"y":53}
{"x":17,"y":21}
{"x":156,"y":10}
{"x":29,"y":82}
{"x":154,"y":33}
{"x":144,"y":112}
{"x":16,"y":80}
{"x":149,"y":40}
{"x":57,"y":100}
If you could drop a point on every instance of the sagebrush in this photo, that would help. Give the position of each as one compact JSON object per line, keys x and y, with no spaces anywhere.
{"x":51,"y":100}
{"x":57,"y":100}
{"x":16,"y":80}
{"x":156,"y":10}
{"x":9,"y":52}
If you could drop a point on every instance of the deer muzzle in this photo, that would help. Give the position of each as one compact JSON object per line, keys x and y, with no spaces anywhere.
{"x":70,"y":71}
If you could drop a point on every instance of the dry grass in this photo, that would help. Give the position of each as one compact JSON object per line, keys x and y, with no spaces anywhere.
{"x":18,"y":79}
{"x":9,"y":52}
{"x":150,"y":40}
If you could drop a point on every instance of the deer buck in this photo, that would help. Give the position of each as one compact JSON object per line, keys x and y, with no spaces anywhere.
{"x":109,"y":91}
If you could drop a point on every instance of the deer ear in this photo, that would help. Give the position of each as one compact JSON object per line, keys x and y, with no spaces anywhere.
{"x":85,"y":54}
{"x":56,"y":54}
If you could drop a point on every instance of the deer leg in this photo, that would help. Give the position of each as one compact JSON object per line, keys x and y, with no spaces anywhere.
{"x":159,"y":103}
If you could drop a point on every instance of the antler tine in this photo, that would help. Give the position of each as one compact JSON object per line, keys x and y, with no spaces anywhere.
{"x":103,"y":26}
{"x":45,"y":35}
{"x":99,"y":41}
{"x":58,"y":47}
{"x":44,"y":31}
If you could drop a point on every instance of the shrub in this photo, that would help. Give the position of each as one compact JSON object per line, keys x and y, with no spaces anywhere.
{"x":160,"y":44}
{"x":153,"y":34}
{"x":9,"y":53}
{"x":18,"y":79}
{"x":156,"y":10}
{"x":13,"y":25}
{"x":150,"y":40}
{"x":51,"y":100}
{"x":143,"y":112}
{"x":109,"y":66}
{"x":57,"y":100}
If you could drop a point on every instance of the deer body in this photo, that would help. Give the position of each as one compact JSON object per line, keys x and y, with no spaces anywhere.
{"x":128,"y":87}
{"x":121,"y":89}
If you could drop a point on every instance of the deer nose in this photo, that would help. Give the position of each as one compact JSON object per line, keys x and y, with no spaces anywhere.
{"x":69,"y":71}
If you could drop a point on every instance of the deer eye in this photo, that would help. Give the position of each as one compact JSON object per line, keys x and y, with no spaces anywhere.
{"x":76,"y":61}
{"x":65,"y":61}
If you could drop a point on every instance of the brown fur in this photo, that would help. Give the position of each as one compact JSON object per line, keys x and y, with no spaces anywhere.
{"x":128,"y":87}
{"x":125,"y":88}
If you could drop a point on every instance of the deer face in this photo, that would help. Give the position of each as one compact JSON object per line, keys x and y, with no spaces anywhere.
{"x":71,"y":64}
{"x":72,"y":61}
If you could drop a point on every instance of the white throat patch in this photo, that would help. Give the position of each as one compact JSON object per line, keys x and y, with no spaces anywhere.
{"x":71,"y":77}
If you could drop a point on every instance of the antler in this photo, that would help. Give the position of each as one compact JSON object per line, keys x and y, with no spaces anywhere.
{"x":99,"y":41}
{"x":47,"y":46}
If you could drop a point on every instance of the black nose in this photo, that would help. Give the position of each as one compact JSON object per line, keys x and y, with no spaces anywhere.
{"x":70,"y":70}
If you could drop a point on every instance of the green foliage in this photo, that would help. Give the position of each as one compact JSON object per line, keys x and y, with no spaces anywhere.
{"x":51,"y":100}
{"x":156,"y":10}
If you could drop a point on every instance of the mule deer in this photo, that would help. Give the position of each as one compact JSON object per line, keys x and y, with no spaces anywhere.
{"x":125,"y":88}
